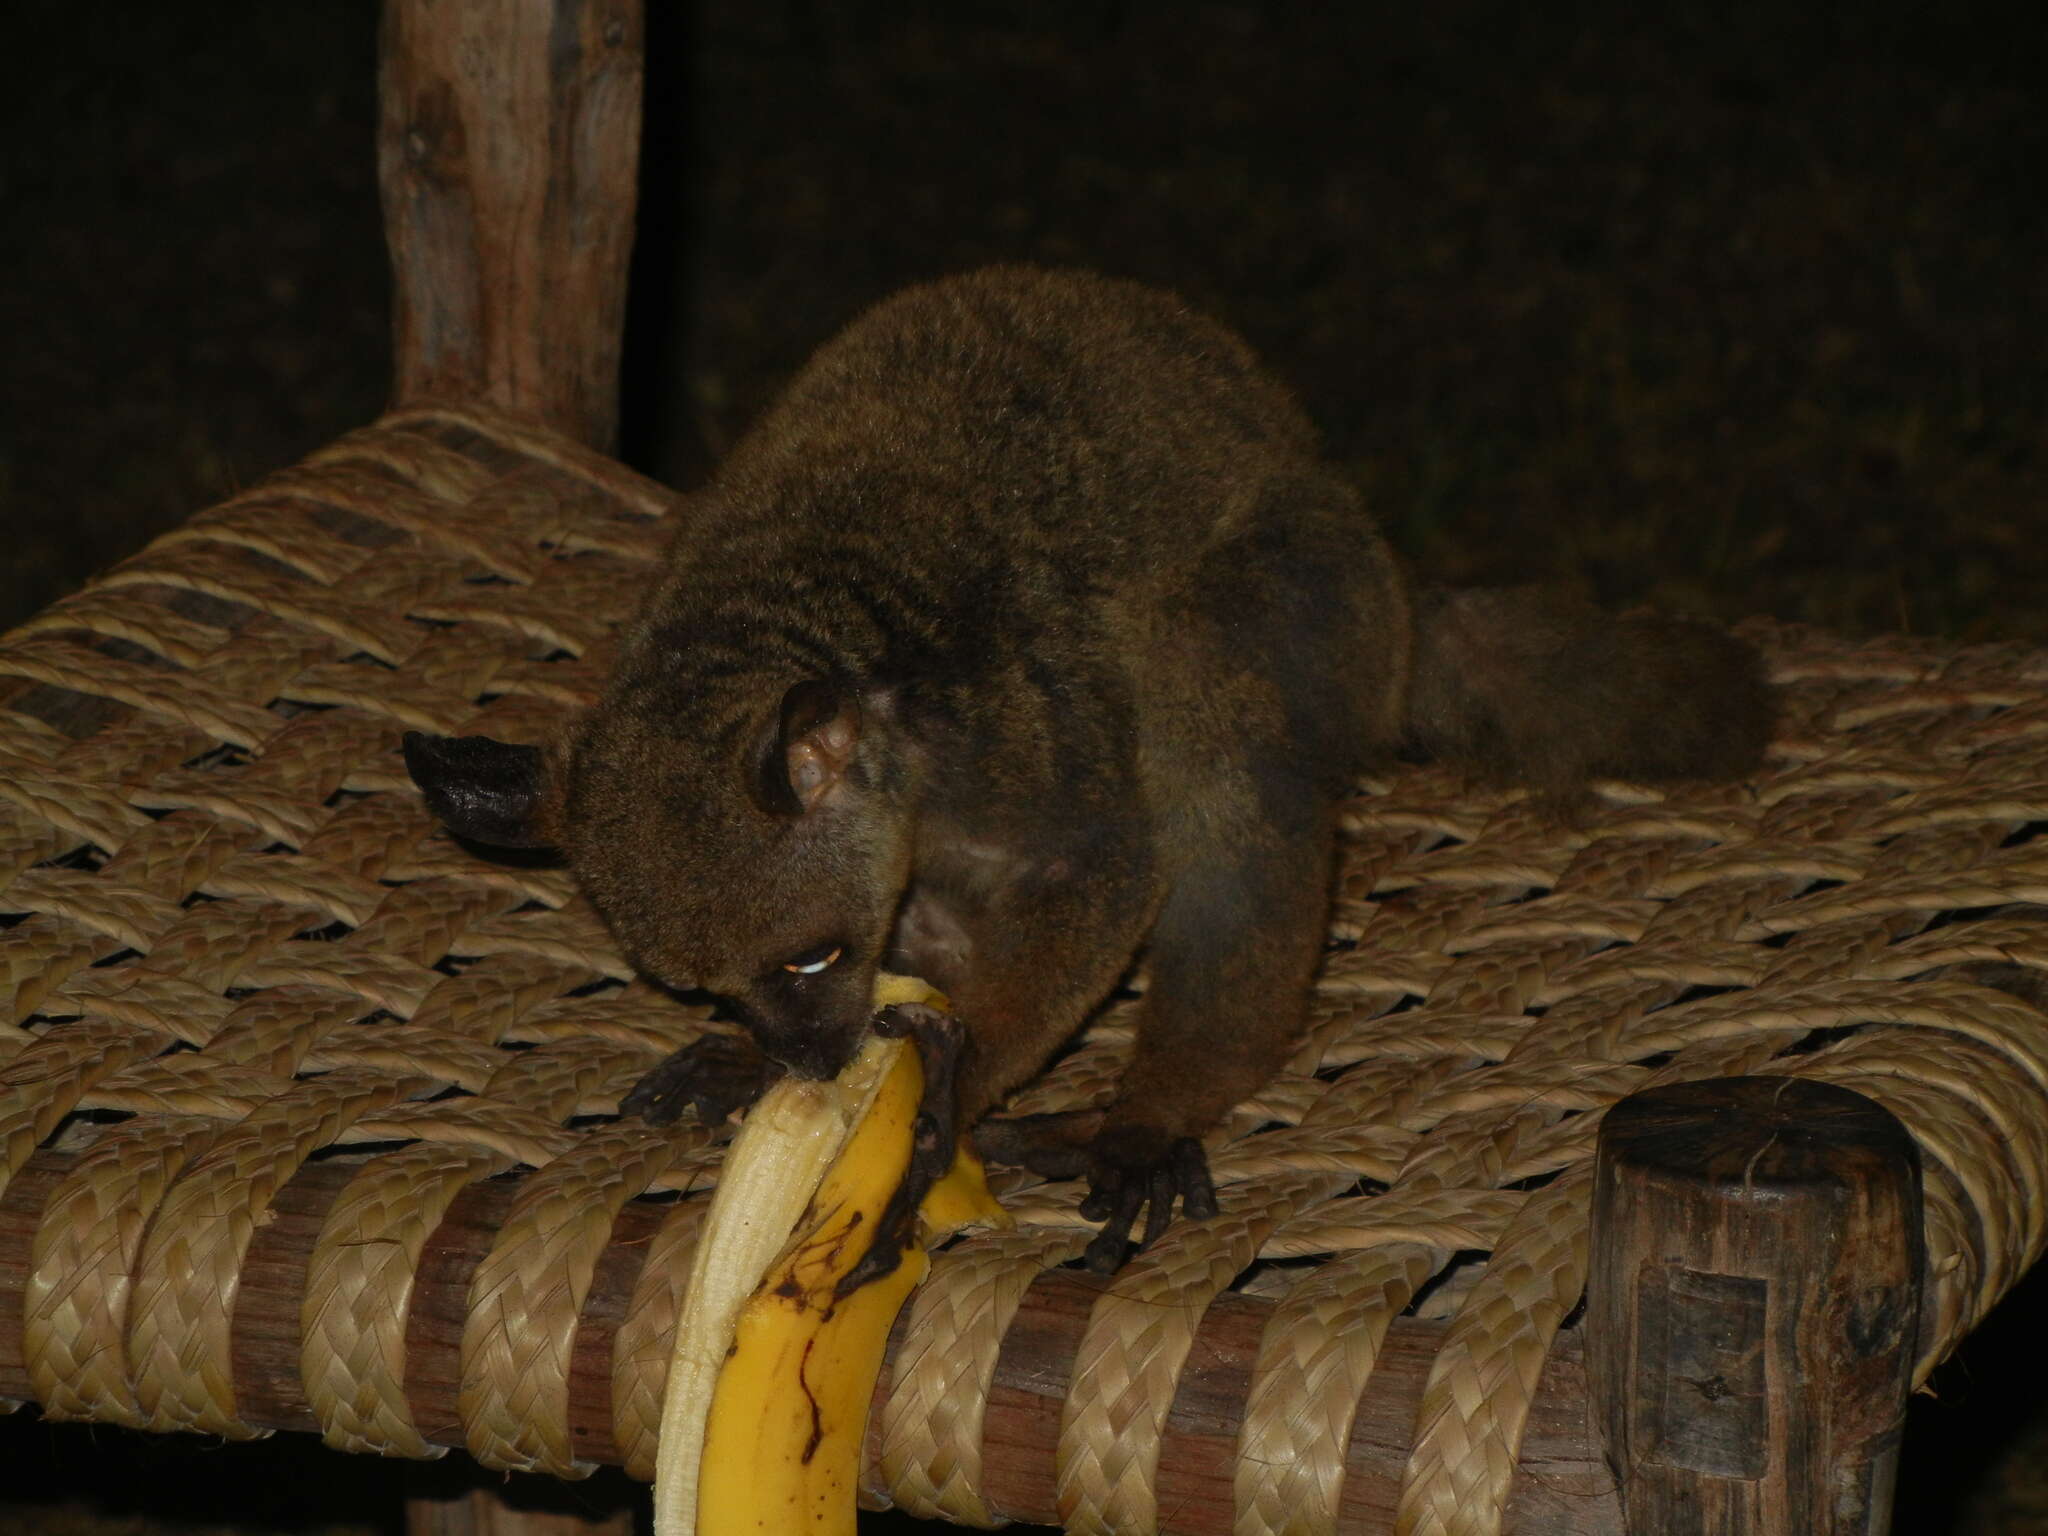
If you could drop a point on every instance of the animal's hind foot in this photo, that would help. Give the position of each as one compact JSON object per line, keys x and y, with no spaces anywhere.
{"x":1131,"y":1169}
{"x":1136,"y":1168}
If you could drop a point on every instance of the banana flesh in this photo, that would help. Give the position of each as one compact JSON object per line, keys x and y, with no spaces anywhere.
{"x":768,"y":1390}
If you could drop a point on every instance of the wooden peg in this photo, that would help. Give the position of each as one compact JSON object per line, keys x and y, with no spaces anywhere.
{"x":507,"y":153}
{"x":1753,"y":1305}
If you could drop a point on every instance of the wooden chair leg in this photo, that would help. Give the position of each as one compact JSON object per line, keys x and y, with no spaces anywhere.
{"x":1753,"y":1305}
{"x":508,"y":151}
{"x":472,"y":1502}
{"x":479,"y":1513}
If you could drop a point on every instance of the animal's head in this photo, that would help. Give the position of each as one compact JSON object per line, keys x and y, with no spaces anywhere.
{"x":763,"y":862}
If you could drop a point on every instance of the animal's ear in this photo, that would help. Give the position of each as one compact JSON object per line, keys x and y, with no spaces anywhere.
{"x":816,"y":733}
{"x":482,"y":789}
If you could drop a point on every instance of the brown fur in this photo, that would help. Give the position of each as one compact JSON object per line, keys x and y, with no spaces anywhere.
{"x":1028,"y":630}
{"x":1536,"y":686}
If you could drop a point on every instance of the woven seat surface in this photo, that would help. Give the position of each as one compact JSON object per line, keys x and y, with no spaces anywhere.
{"x":233,"y":943}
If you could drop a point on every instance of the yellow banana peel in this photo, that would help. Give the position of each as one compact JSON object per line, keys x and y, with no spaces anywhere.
{"x":769,"y":1386}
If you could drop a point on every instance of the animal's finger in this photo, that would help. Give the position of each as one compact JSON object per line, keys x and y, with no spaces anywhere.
{"x":1191,"y":1175}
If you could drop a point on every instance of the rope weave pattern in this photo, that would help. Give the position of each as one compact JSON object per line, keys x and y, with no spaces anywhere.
{"x":232,"y":944}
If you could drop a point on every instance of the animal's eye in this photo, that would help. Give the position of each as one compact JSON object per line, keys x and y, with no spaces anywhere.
{"x":812,"y":961}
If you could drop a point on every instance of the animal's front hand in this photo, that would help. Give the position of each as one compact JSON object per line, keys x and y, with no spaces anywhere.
{"x":1136,"y":1168}
{"x":716,"y":1075}
{"x":934,"y":1136}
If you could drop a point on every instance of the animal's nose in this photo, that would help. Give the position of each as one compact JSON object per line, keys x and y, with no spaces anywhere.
{"x":808,"y":1049}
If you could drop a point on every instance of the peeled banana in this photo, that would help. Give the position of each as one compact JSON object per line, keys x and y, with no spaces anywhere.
{"x":768,"y":1388}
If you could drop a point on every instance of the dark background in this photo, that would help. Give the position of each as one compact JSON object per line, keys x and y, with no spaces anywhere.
{"x":1734,"y":307}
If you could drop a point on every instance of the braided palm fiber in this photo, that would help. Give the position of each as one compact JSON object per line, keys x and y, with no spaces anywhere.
{"x":191,"y":1256}
{"x":1138,"y":1336}
{"x":932,"y":1423}
{"x":1484,"y":1377}
{"x":233,"y":943}
{"x":528,"y":1293}
{"x":76,"y":1303}
{"x":642,"y":1346}
{"x":1317,"y":1351}
{"x":359,"y":1285}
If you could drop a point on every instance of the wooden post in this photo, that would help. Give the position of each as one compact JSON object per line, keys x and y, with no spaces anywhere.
{"x":1753,"y":1305}
{"x":508,"y":149}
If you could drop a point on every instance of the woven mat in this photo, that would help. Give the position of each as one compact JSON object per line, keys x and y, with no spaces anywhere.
{"x":234,"y":945}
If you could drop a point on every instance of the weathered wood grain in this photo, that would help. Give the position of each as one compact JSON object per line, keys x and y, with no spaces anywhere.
{"x":1753,"y":1305}
{"x":508,"y":152}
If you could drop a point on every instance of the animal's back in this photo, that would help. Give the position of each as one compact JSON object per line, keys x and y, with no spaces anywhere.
{"x":1019,"y":483}
{"x":1075,"y":428}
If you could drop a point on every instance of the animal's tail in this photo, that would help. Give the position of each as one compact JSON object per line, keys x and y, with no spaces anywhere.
{"x":1534,"y":685}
